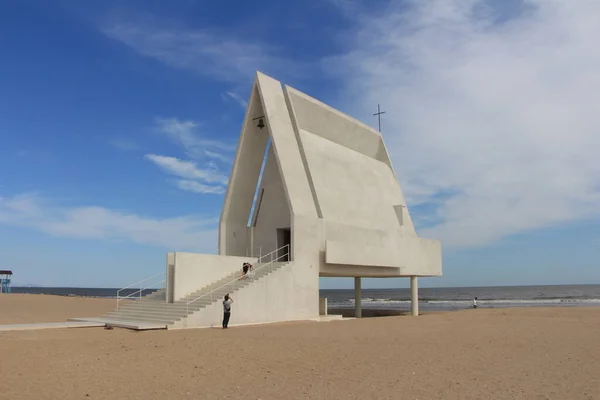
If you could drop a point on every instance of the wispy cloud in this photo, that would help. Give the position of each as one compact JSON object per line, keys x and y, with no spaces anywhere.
{"x":187,"y":169}
{"x":208,"y":52}
{"x":207,"y":179}
{"x":227,"y":159}
{"x":197,"y":187}
{"x":191,"y":174}
{"x":493,"y":103}
{"x":185,"y":134}
{"x":235,"y":97}
{"x":192,"y":233}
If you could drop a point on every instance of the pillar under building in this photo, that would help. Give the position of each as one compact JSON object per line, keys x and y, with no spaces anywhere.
{"x":357,"y":297}
{"x":414,"y":295}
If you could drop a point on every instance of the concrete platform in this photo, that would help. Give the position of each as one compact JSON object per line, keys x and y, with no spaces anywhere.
{"x":50,"y":325}
{"x":135,"y":325}
{"x":329,"y":318}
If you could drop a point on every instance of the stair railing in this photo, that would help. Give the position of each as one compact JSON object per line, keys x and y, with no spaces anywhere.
{"x":272,"y":254}
{"x":250,"y":251}
{"x":142,"y":286}
{"x":270,"y":264}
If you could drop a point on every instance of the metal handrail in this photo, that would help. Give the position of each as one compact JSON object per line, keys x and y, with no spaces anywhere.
{"x":270,"y":263}
{"x":143,"y":280}
{"x":252,"y":251}
{"x":274,"y":251}
{"x":141,"y":289}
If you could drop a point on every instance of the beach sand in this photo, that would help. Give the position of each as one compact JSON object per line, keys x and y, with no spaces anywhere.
{"x":541,"y":353}
{"x":31,"y":308}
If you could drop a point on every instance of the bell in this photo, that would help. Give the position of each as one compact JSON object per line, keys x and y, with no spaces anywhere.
{"x":261,"y":124}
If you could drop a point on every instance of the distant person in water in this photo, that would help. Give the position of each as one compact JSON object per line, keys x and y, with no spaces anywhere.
{"x":475,"y":302}
{"x":226,"y":310}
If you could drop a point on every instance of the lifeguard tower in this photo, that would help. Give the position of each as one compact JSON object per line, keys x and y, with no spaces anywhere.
{"x":5,"y":281}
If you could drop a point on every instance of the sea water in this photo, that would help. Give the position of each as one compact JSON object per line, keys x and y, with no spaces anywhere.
{"x":440,"y":299}
{"x":430,"y":299}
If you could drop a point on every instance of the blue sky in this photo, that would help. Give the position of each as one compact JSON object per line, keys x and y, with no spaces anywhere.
{"x":119,"y":120}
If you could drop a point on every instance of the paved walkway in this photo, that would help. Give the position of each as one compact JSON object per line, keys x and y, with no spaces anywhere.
{"x":49,"y":325}
{"x":135,"y":325}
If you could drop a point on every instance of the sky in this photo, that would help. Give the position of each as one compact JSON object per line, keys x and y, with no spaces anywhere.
{"x":119,"y":122}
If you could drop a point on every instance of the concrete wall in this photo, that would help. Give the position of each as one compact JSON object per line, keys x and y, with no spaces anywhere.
{"x":170,"y":278}
{"x":322,"y":305}
{"x":349,"y":254}
{"x":352,"y":188}
{"x":233,"y":232}
{"x":289,"y":294}
{"x":274,"y":210}
{"x":366,"y":227}
{"x":420,"y":256}
{"x":330,"y":178}
{"x":284,"y":141}
{"x":328,"y":123}
{"x":410,"y":256}
{"x":277,"y":297}
{"x":194,"y":271}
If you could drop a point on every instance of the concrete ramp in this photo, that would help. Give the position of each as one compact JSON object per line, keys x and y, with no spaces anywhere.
{"x":50,"y":325}
{"x":135,"y":325}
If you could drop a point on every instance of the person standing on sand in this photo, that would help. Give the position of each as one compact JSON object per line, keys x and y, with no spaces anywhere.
{"x":475,"y":302}
{"x":226,"y":310}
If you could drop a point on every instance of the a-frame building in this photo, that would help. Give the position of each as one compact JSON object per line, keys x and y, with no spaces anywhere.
{"x":329,"y":181}
{"x":312,"y":193}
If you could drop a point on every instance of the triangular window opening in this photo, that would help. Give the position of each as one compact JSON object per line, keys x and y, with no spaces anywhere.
{"x":258,"y":193}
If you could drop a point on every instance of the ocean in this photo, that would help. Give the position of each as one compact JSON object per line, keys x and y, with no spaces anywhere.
{"x":431,"y":299}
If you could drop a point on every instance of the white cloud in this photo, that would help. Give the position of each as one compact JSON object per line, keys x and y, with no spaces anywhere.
{"x":208,"y":52}
{"x":185,"y":134}
{"x":218,"y":156}
{"x":187,"y":169}
{"x":235,"y":97}
{"x":192,"y":233}
{"x":197,"y":187}
{"x":491,"y":112}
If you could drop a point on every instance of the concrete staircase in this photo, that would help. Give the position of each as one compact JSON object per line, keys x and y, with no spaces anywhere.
{"x":160,"y":294}
{"x":153,"y":312}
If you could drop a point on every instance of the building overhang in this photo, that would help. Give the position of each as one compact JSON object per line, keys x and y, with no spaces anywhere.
{"x":410,"y":256}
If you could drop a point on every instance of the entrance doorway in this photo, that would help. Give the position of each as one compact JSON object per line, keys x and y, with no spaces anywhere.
{"x":284,"y":238}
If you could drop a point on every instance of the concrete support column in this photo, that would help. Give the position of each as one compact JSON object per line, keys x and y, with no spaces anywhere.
{"x":322,"y":305}
{"x":414,"y":295}
{"x":357,"y":297}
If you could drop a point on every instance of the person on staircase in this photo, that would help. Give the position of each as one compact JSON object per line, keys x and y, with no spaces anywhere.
{"x":246,"y":267}
{"x":226,"y":310}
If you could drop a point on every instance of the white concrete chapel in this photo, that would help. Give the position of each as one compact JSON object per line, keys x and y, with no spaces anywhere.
{"x":312,"y":193}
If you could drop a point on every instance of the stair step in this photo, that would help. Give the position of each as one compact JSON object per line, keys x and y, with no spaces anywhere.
{"x":168,"y":306}
{"x":142,"y":319}
{"x":154,"y":309}
{"x":161,"y":319}
{"x":165,"y":321}
{"x":173,"y":313}
{"x":192,"y":308}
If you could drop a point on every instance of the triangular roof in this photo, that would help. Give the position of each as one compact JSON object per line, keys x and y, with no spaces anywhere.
{"x":322,"y":156}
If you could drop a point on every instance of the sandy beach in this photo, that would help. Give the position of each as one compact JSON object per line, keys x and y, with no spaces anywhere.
{"x":29,"y":308}
{"x":542,"y":353}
